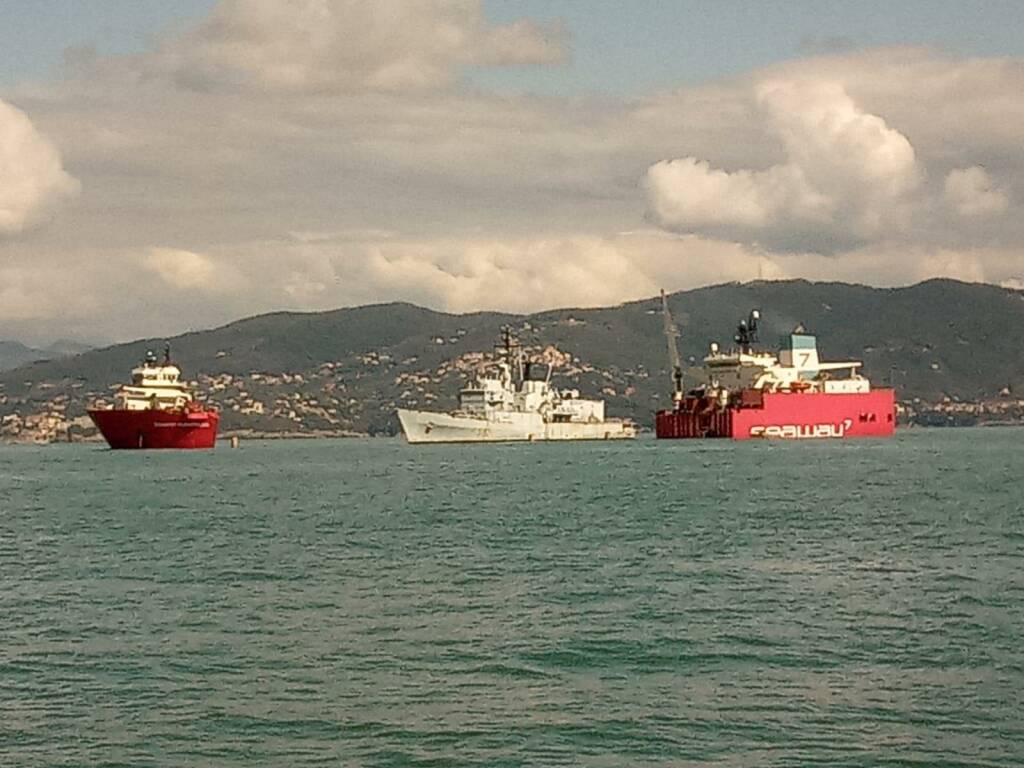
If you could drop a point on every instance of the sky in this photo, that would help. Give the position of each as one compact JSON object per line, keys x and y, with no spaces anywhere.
{"x":173,"y":166}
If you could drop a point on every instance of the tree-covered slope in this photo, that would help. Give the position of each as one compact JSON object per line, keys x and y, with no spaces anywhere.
{"x":346,"y":370}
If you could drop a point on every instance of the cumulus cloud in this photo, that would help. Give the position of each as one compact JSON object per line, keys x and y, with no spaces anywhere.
{"x":848,"y":176}
{"x":972,"y":192}
{"x":689,"y":194}
{"x":457,"y":274}
{"x":347,"y":45}
{"x":830,"y":168}
{"x":173,"y":290}
{"x":190,"y":271}
{"x":32,"y":178}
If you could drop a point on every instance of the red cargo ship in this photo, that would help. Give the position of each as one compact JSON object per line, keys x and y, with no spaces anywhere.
{"x":748,"y":393}
{"x":156,"y":410}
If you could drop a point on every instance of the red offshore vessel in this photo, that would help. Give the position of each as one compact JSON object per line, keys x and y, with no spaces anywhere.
{"x":156,"y":410}
{"x":748,"y":393}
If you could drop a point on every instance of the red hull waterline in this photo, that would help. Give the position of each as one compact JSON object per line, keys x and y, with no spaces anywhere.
{"x":783,"y":415}
{"x":156,"y":428}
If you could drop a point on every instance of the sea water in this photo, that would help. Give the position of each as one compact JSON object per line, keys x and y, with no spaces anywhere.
{"x":364,"y":602}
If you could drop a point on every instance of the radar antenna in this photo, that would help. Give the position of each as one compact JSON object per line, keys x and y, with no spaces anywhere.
{"x":671,"y":337}
{"x":513,"y":352}
{"x":746,"y":332}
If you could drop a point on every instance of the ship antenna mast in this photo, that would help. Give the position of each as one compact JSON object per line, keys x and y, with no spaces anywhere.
{"x":520,"y":359}
{"x":513,"y":352}
{"x":746,"y":332}
{"x":167,"y":353}
{"x":671,"y":336}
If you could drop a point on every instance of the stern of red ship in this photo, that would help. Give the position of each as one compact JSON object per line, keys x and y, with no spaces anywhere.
{"x":695,"y":417}
{"x":124,"y":429}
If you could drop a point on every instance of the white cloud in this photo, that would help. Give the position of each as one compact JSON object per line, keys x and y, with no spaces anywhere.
{"x":862,"y":166}
{"x":345,"y":45}
{"x":458,"y":274}
{"x":172,"y":290}
{"x":32,"y":178}
{"x":847,"y":176}
{"x":689,"y":194}
{"x":189,"y":271}
{"x":972,"y":192}
{"x":828,"y":168}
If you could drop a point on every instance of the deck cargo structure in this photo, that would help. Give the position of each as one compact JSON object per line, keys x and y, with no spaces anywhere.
{"x":750,"y":394}
{"x":510,"y":403}
{"x":156,"y":410}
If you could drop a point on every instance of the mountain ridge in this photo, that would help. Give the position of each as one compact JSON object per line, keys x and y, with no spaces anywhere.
{"x":345,"y":370}
{"x":14,"y":354}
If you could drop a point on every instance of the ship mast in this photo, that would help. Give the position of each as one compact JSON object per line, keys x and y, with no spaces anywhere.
{"x":746,"y":332}
{"x":671,"y":335}
{"x":513,"y":353}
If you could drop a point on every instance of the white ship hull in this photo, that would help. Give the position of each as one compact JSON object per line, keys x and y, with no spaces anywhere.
{"x":513,"y":426}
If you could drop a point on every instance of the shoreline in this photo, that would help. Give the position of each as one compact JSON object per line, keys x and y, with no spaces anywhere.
{"x":242,"y":434}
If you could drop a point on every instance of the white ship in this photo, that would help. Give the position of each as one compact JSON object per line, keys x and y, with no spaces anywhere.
{"x":509,"y":404}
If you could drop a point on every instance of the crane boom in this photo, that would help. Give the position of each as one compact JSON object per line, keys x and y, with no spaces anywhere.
{"x":671,"y":335}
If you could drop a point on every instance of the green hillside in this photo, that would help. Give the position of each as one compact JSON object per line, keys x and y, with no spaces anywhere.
{"x":346,"y":370}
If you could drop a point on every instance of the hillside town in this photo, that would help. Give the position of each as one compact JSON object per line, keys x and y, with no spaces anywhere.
{"x":357,"y":397}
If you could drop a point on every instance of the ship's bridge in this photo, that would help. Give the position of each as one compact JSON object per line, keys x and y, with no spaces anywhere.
{"x":155,"y":386}
{"x":799,"y":362}
{"x":797,"y":368}
{"x":800,"y":351}
{"x":488,"y":393}
{"x":156,"y":375}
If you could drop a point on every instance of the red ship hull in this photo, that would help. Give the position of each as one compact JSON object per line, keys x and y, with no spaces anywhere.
{"x":783,"y":415}
{"x":156,"y":428}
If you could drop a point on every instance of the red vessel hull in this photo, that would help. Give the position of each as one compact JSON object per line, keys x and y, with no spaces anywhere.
{"x":783,"y":415}
{"x":156,"y":428}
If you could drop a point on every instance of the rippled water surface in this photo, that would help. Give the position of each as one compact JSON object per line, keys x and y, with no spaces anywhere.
{"x":659,"y":603}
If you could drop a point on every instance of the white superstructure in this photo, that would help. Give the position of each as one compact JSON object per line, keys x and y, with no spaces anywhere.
{"x":796,"y":369}
{"x":507,"y":404}
{"x":155,"y":386}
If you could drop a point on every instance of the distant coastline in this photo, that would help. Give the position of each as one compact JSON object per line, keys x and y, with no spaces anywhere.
{"x":60,"y":434}
{"x":343,"y":373}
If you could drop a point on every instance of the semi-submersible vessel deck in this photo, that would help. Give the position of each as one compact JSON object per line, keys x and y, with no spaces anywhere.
{"x":749,"y":393}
